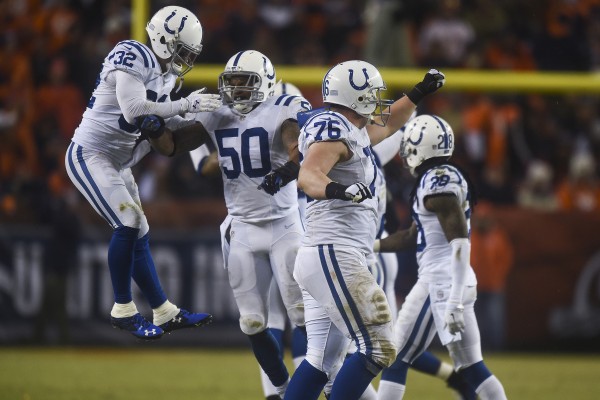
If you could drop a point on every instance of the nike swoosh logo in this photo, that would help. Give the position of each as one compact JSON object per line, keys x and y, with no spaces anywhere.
{"x":127,"y":47}
{"x":289,"y":226}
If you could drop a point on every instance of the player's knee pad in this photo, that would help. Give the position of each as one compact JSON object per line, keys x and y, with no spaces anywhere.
{"x":383,"y":349}
{"x":296,"y":314}
{"x":377,"y":310}
{"x":464,"y":356}
{"x":252,"y":324}
{"x":131,"y":215}
{"x":144,"y":227}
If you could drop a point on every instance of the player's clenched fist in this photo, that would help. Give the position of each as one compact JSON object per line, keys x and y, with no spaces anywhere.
{"x":357,"y":192}
{"x":432,"y":81}
{"x":279,"y":177}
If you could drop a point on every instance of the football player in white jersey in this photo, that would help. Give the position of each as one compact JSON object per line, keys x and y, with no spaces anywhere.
{"x":206,"y":163}
{"x":442,"y":300}
{"x":136,"y":81}
{"x":387,"y":270}
{"x":256,"y":133}
{"x":341,"y":297}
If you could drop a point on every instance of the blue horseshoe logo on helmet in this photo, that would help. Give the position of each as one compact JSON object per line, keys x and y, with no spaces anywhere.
{"x":265,"y":68}
{"x":351,"y":77}
{"x":416,"y":142}
{"x":172,"y":32}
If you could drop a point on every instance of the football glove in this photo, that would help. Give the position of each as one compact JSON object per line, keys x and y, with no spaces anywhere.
{"x":152,"y":126}
{"x":279,"y":177}
{"x":357,"y":192}
{"x":432,"y":81}
{"x":198,"y":101}
{"x":454,"y":318}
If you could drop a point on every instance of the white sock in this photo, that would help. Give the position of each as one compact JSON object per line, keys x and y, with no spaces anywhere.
{"x":281,"y":389}
{"x":268,"y":388}
{"x":491,"y":389}
{"x":123,"y":310}
{"x":390,"y":391}
{"x":445,"y":371}
{"x":164,"y":313}
{"x":369,"y":394}
{"x":297,"y":361}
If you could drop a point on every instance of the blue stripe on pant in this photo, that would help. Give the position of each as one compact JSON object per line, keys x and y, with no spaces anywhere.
{"x":404,"y":351}
{"x":351,"y":304}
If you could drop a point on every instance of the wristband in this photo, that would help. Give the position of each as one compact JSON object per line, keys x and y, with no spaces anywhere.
{"x":377,"y":246}
{"x":335,"y":190}
{"x":288,"y":171}
{"x":415,"y":95}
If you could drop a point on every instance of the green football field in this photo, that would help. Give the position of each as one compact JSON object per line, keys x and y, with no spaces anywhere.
{"x":195,"y":374}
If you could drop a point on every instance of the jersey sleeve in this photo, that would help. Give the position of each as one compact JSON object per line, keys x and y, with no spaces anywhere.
{"x":290,"y":106}
{"x":442,"y":180}
{"x":327,"y":127}
{"x":132,"y":57}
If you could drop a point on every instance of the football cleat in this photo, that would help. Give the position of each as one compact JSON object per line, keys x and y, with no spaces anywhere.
{"x":456,"y":382}
{"x":138,"y":326}
{"x":186,"y":319}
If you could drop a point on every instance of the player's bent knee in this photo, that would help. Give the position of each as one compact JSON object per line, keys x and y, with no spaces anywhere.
{"x":252,"y":324}
{"x":132,"y":215}
{"x":385,"y":355}
{"x":384,"y":348}
{"x":296,"y":314}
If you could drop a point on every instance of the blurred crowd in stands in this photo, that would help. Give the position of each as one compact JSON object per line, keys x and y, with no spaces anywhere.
{"x":531,"y":150}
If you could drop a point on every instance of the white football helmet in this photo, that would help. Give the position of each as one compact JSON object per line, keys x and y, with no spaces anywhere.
{"x":176,"y":33}
{"x":357,"y":85}
{"x":248,"y":79}
{"x":286,"y":88}
{"x":425,"y":137}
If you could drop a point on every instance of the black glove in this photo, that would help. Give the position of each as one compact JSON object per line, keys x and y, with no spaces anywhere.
{"x":432,"y":81}
{"x":151,"y":126}
{"x":279,"y":177}
{"x":357,"y":192}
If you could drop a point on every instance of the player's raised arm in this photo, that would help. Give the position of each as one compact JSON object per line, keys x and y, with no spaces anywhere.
{"x":402,"y":109}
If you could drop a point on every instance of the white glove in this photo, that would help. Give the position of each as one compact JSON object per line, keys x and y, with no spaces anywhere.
{"x":358,"y":192}
{"x":454,"y":318}
{"x":198,"y":101}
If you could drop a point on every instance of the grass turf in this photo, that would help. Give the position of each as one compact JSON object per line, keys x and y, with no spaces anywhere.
{"x":190,"y":374}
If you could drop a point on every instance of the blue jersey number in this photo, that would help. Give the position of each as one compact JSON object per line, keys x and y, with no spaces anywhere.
{"x":123,"y":58}
{"x":332,"y":130}
{"x":244,"y":163}
{"x":439,"y":181}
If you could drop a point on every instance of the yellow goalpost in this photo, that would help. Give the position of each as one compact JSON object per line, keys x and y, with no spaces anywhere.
{"x":398,"y":78}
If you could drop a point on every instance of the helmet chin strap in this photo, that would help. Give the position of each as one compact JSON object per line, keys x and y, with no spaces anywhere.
{"x":180,"y":84}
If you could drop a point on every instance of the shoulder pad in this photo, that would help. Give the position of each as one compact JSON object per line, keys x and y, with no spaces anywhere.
{"x":304,"y":116}
{"x":132,"y":55}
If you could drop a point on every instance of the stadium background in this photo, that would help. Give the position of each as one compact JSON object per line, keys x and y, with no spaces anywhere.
{"x":521,"y":93}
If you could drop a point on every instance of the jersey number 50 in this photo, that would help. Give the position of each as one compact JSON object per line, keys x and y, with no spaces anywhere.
{"x":246,"y":161}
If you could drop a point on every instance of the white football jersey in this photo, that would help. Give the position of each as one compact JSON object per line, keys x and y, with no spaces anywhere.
{"x":433,"y":250}
{"x":334,"y":221}
{"x":250,"y":146}
{"x":103,"y":127}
